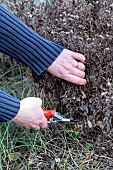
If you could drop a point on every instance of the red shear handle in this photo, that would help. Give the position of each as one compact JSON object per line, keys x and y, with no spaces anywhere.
{"x":49,"y":113}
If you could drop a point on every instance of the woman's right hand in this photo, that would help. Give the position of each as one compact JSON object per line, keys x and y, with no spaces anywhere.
{"x":31,"y":115}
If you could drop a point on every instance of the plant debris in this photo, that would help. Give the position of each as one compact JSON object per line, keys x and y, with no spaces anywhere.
{"x":85,"y":27}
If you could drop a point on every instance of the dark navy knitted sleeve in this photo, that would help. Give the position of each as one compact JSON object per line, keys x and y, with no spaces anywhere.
{"x":9,"y":106}
{"x":20,"y":42}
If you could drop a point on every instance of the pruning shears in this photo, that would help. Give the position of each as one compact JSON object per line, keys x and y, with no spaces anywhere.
{"x":55,"y":117}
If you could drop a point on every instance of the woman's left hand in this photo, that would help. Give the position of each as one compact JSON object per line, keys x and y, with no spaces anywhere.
{"x":69,"y":66}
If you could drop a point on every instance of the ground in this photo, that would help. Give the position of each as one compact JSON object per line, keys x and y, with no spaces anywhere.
{"x":82,"y":26}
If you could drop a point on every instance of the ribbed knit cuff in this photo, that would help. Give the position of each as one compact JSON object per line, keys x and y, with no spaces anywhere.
{"x":19,"y":41}
{"x":9,"y":107}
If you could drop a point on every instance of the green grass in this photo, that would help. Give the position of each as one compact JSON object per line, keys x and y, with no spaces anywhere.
{"x":24,"y":149}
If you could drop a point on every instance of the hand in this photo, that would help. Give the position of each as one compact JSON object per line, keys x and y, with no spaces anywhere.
{"x":31,"y":115}
{"x":68,"y":67}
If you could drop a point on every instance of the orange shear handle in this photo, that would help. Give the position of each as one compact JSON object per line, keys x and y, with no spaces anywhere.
{"x":49,"y":113}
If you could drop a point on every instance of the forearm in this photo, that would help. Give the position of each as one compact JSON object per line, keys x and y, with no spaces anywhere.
{"x":19,"y":41}
{"x":9,"y":107}
{"x":22,"y":43}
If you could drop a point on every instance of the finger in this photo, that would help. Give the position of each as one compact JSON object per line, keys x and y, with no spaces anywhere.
{"x":81,"y":66}
{"x":37,"y":128}
{"x":77,"y":72}
{"x":34,"y":126}
{"x":78,"y":56}
{"x":78,"y":65}
{"x":74,"y":63}
{"x":27,"y":127}
{"x":43,"y":124}
{"x":76,"y":80}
